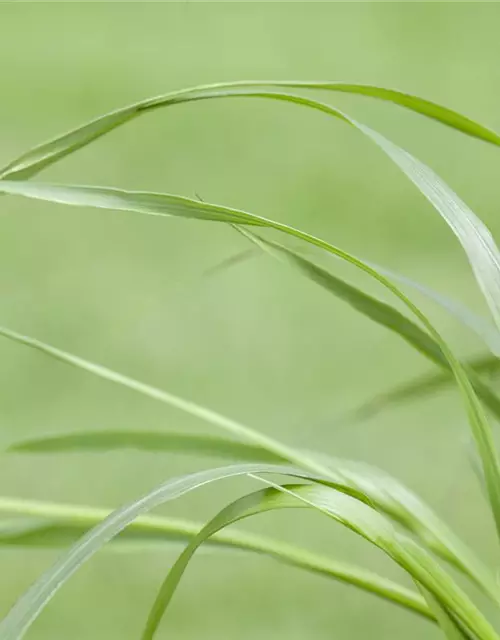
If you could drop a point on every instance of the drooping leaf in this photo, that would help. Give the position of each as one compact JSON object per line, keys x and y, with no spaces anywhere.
{"x":410,"y":556}
{"x":44,"y":155}
{"x":356,"y":516}
{"x":472,"y":233}
{"x":393,"y":499}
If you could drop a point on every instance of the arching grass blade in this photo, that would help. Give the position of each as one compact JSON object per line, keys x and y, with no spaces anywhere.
{"x":349,"y":512}
{"x":44,"y":155}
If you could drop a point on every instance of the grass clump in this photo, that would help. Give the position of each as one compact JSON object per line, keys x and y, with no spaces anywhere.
{"x":368,"y":502}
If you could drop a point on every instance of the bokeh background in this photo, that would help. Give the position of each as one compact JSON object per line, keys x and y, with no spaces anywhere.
{"x":255,"y":342}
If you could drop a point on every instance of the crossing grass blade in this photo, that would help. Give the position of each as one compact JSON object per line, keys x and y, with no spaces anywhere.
{"x":394,"y":500}
{"x":28,"y":607}
{"x":356,"y":516}
{"x":49,"y":525}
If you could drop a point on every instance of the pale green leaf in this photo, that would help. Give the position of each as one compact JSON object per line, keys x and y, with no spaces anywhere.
{"x":46,"y":154}
{"x":352,"y":514}
{"x":187,"y":443}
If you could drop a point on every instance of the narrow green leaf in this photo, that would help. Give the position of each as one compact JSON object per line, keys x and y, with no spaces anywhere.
{"x":391,"y":498}
{"x":474,"y":236}
{"x":44,"y":155}
{"x":420,"y":388}
{"x":483,"y":328}
{"x":409,"y":555}
{"x":188,"y":443}
{"x":349,"y":512}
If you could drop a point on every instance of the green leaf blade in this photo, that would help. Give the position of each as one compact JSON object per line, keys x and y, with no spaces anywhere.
{"x":151,"y":441}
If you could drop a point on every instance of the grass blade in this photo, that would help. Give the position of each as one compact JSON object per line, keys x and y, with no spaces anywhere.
{"x":370,"y":525}
{"x":449,"y":625}
{"x":473,"y":235}
{"x":483,"y":329}
{"x":420,"y":388}
{"x":153,"y":441}
{"x":358,"y":517}
{"x":44,"y":155}
{"x":391,"y":498}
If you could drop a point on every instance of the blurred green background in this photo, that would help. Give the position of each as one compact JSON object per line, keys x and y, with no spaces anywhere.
{"x":254,"y":342}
